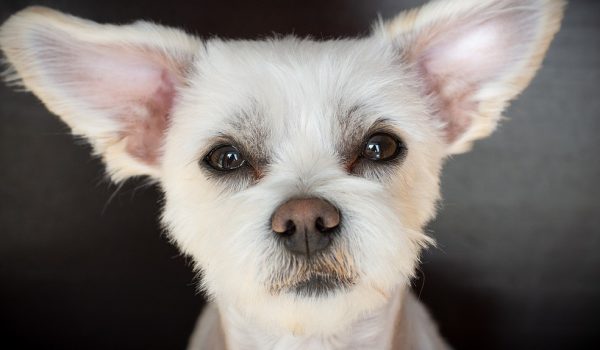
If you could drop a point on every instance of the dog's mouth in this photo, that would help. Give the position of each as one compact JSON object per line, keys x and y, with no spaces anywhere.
{"x":321,"y":285}
{"x":318,"y":276}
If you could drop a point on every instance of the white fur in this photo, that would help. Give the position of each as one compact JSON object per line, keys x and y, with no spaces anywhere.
{"x":438,"y":77}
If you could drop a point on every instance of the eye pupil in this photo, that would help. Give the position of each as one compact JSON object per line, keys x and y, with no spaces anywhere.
{"x":382,"y":147}
{"x":225,"y":158}
{"x":229,"y":159}
{"x":373,"y":150}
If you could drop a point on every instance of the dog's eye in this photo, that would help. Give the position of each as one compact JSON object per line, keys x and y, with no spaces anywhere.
{"x":225,"y":158}
{"x":382,"y":146}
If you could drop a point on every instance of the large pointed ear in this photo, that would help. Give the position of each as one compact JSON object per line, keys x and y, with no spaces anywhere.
{"x":474,"y":56}
{"x":114,"y":85}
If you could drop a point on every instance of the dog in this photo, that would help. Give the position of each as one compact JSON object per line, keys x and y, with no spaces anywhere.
{"x":297,"y":174}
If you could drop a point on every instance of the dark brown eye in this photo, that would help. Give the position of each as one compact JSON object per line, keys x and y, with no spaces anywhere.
{"x":225,"y":158}
{"x":382,"y":146}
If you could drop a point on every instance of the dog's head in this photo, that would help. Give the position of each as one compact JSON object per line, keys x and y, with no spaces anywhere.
{"x":298,"y":174}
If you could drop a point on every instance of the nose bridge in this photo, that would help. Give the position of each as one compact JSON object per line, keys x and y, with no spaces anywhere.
{"x":305,"y":169}
{"x":308,"y":155}
{"x":304,"y":154}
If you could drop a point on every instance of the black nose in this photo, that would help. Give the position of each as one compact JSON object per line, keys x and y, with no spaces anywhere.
{"x":306,"y":224}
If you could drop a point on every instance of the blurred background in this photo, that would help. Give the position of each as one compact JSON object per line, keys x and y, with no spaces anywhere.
{"x":84,"y":266}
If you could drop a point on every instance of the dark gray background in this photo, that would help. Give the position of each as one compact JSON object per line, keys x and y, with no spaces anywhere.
{"x":517,"y":264}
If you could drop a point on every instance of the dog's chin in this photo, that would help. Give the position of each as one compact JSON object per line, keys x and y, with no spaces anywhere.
{"x":314,"y":307}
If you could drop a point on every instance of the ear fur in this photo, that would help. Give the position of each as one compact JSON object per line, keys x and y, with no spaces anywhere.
{"x":474,"y":56}
{"x":114,"y":85}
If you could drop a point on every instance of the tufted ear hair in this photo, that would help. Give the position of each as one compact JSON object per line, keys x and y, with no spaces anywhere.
{"x":473,"y":57}
{"x":114,"y":85}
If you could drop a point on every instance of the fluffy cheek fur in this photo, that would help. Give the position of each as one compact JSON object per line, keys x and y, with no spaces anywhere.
{"x":227,"y":233}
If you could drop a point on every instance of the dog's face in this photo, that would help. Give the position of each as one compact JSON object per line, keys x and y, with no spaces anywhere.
{"x":298,"y":174}
{"x":299,"y":119}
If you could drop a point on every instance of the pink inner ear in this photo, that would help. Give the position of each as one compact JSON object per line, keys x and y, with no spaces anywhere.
{"x":137,"y":90}
{"x":124,"y":91}
{"x":145,"y":133}
{"x":458,"y":59}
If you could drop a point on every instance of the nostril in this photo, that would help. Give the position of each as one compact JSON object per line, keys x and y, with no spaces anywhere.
{"x":320,"y":226}
{"x":329,"y":220}
{"x":290,"y":228}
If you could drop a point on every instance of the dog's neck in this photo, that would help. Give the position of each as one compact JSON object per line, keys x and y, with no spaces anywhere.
{"x":375,"y":331}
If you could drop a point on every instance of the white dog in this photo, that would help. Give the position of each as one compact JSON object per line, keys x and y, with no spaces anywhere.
{"x":298,"y":174}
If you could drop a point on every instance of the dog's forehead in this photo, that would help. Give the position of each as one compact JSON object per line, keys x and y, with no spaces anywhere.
{"x":290,"y":90}
{"x":295,"y":77}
